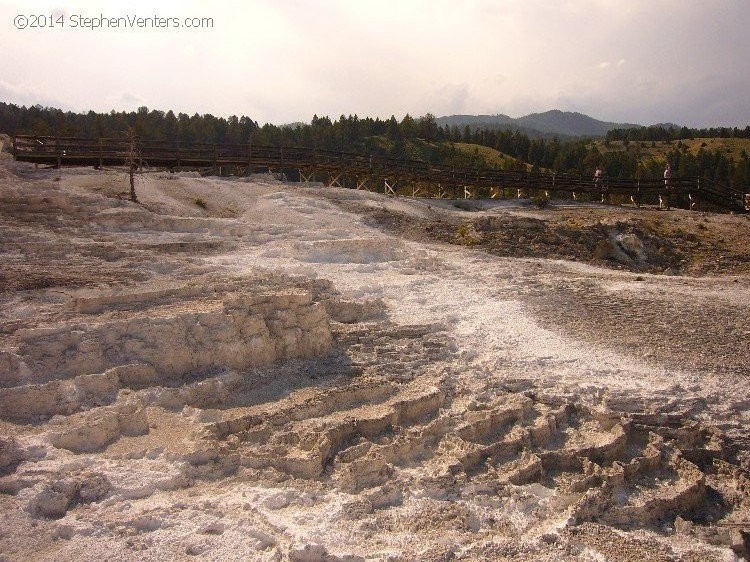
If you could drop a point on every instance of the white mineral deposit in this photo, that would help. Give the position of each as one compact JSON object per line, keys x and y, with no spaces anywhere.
{"x":297,"y":372}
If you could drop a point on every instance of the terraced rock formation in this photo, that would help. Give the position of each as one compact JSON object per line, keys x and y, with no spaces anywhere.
{"x":267,"y":378}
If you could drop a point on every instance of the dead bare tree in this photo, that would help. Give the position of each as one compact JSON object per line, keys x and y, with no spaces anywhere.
{"x":131,"y":163}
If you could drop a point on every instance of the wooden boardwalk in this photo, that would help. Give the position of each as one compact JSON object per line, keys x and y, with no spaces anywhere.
{"x":392,"y":176}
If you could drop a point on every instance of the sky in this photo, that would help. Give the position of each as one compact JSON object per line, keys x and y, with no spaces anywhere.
{"x":281,"y":61}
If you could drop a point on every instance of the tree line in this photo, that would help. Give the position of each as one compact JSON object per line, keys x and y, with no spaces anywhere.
{"x":672,"y":133}
{"x":411,"y":138}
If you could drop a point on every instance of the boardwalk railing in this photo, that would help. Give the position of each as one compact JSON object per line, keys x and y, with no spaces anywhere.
{"x":361,"y":171}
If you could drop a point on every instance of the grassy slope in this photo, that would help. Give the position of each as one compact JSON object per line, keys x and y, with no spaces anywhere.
{"x":492,"y":157}
{"x":418,"y":150}
{"x":732,"y":147}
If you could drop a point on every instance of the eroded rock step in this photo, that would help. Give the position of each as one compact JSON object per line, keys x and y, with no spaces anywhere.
{"x":386,"y":426}
{"x":625,"y":470}
{"x":236,"y":331}
{"x":399,"y":352}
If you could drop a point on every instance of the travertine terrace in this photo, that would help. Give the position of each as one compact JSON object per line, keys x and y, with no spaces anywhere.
{"x":247,"y":369}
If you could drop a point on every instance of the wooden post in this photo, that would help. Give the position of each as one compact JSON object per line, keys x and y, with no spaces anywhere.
{"x":133,"y":198}
{"x":698,"y":196}
{"x":389,"y":189}
{"x":131,"y":167}
{"x":638,"y":195}
{"x":215,"y":164}
{"x":101,"y":155}
{"x":58,"y":152}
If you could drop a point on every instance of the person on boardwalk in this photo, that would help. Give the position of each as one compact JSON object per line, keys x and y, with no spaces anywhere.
{"x":667,"y":187}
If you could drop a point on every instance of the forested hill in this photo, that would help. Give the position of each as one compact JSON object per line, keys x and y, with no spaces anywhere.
{"x":548,"y":124}
{"x":628,"y":152}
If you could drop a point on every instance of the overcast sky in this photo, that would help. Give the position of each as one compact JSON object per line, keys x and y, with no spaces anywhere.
{"x":279,"y":61}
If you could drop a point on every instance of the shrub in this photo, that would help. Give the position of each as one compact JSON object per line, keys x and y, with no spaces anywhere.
{"x":540,"y":200}
{"x":467,"y":235}
{"x":200,"y":202}
{"x":463,"y":205}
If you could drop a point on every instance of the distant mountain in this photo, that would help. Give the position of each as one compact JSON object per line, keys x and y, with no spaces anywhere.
{"x":547,"y":124}
{"x":463,"y":120}
{"x":666,"y":126}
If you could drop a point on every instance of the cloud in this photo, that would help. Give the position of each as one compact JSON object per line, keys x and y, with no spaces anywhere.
{"x":606,"y":65}
{"x":284,"y":60}
{"x":125,"y":100}
{"x":24,"y":94}
{"x":446,"y":99}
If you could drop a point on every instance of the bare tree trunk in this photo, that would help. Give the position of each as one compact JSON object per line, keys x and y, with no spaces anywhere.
{"x":131,"y":167}
{"x":133,"y":198}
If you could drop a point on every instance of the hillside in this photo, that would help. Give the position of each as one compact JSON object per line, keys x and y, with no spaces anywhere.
{"x":733,"y":148}
{"x":492,"y":158}
{"x":460,"y":154}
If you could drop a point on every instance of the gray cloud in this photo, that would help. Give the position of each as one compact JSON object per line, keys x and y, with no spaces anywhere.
{"x":638,"y":61}
{"x":25,"y":95}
